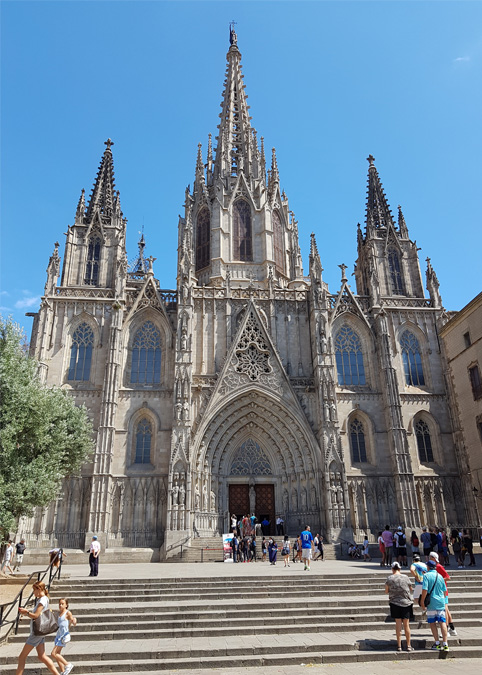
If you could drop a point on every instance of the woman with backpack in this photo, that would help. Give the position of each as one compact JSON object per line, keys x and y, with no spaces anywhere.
{"x":457,"y":548}
{"x":415,"y":543}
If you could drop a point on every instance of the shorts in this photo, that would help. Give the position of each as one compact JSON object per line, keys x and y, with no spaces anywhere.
{"x":436,"y":615}
{"x":402,"y":550}
{"x":399,"y":612}
{"x":35,"y":640}
{"x":62,"y":641}
{"x":427,"y":551}
{"x":417,"y":591}
{"x":306,"y":553}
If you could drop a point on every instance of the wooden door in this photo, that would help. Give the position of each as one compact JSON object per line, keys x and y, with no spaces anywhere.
{"x":238,"y":500}
{"x":265,"y":507}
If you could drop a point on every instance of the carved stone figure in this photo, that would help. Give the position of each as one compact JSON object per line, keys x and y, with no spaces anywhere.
{"x":252,"y":499}
{"x":197,"y":498}
{"x":184,"y":339}
{"x":213,"y":501}
{"x":304,"y":504}
{"x":205,"y":497}
{"x":175,"y":494}
{"x":314,"y":501}
{"x":285,"y":500}
{"x":182,"y":495}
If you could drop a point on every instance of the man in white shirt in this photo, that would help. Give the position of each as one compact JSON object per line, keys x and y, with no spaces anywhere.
{"x":279,"y":526}
{"x":94,"y":557}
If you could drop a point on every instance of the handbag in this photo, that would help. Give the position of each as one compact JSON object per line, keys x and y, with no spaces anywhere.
{"x":426,"y":602}
{"x":46,"y":623}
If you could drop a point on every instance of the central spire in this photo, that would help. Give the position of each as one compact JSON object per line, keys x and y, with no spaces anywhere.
{"x":235,"y":139}
{"x":103,"y":192}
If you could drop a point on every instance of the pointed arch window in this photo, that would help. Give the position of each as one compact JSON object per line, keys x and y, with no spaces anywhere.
{"x":395,"y":272}
{"x":243,"y":240}
{"x":93,"y":261}
{"x":424,"y":442}
{"x":357,"y":442}
{"x":81,"y":353}
{"x":349,"y":357}
{"x":203,"y":238}
{"x":278,"y":242}
{"x":412,"y":359}
{"x":146,"y":355}
{"x":143,"y":442}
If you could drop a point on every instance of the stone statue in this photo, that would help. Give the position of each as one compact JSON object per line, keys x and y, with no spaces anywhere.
{"x":184,"y":339}
{"x":185,"y":411}
{"x":178,"y":411}
{"x":197,"y":498}
{"x":333,"y":411}
{"x":294,"y":499}
{"x":323,"y":343}
{"x":339,"y":494}
{"x":252,"y":499}
{"x":182,"y":495}
{"x":205,"y":497}
{"x":304,"y":504}
{"x":213,"y":501}
{"x":175,"y":493}
{"x":285,"y":500}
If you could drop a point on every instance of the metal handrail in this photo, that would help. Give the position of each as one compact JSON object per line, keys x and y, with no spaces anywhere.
{"x":17,"y":602}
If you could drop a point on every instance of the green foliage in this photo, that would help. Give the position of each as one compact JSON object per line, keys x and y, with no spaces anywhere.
{"x":44,"y":436}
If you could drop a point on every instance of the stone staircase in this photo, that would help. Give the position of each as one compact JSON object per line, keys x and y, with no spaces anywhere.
{"x":210,"y":549}
{"x":178,"y":624}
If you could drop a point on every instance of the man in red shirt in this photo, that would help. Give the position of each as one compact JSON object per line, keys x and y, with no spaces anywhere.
{"x":443,"y":573}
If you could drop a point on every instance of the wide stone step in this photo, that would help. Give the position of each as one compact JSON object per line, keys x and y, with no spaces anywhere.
{"x":102,"y":663}
{"x":254,"y":628}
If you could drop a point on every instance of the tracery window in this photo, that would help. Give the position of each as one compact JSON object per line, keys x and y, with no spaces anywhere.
{"x":412,"y":359}
{"x":349,"y":357}
{"x":278,"y":242}
{"x":424,"y":442}
{"x":395,"y":272}
{"x":143,"y":442}
{"x":243,"y":241}
{"x":93,"y":261}
{"x":203,"y":238}
{"x":146,"y":355}
{"x":357,"y":442}
{"x":81,"y":353}
{"x":250,"y":460}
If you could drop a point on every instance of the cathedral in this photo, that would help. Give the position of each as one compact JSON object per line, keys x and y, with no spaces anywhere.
{"x":250,"y":387}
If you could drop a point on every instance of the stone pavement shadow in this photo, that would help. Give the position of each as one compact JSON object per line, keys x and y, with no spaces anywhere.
{"x":370,"y":645}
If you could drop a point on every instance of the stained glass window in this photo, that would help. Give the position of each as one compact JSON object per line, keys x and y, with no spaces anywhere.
{"x":81,"y":353}
{"x":146,"y":355}
{"x":424,"y":442}
{"x":278,"y":242}
{"x":243,"y":244}
{"x":357,"y":440}
{"x":412,"y":359}
{"x":395,"y":272}
{"x":93,"y":261}
{"x":143,"y":442}
{"x":349,"y":357}
{"x":203,"y":238}
{"x":250,"y":460}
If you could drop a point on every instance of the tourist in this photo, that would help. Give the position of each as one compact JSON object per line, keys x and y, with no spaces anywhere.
{"x":399,"y":592}
{"x":426,"y":542}
{"x":434,"y":584}
{"x":252,"y":548}
{"x":456,"y":542}
{"x":444,"y":550}
{"x":264,"y":549}
{"x":401,"y":544}
{"x":94,"y":553}
{"x":381,"y":546}
{"x":418,"y":569}
{"x":306,"y":547}
{"x":366,"y":549}
{"x":467,"y":547}
{"x":280,"y":530}
{"x":273,"y":550}
{"x":233,"y":523}
{"x":20,"y":550}
{"x":62,"y":638}
{"x":252,"y":522}
{"x":321,"y":553}
{"x":414,"y":543}
{"x":285,"y":551}
{"x":446,"y":576}
{"x":265,"y":526}
{"x":299,"y":550}
{"x":55,"y":556}
{"x":38,"y":641}
{"x":388,"y":541}
{"x":7,"y":559}
{"x":433,"y":539}
{"x":234,"y":546}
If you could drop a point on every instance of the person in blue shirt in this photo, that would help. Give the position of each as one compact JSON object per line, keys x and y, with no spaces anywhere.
{"x":434,"y":584}
{"x":306,"y":546}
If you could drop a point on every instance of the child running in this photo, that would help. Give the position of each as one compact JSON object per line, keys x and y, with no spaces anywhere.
{"x":62,"y":637}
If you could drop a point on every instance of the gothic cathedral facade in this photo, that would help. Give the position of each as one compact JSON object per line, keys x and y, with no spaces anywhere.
{"x":251,"y":386}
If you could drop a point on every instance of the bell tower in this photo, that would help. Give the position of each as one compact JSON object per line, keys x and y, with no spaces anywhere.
{"x":96,"y":241}
{"x":242,"y":228}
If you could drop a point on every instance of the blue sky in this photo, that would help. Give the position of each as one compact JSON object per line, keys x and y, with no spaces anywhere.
{"x":328,"y":84}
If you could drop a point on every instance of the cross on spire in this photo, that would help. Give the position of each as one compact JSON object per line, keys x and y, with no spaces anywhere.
{"x":109,"y":142}
{"x":343,"y":267}
{"x":370,"y":159}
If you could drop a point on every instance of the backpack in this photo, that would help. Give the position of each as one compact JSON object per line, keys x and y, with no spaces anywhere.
{"x":401,"y":540}
{"x":433,"y":539}
{"x":415,"y":542}
{"x":456,"y":545}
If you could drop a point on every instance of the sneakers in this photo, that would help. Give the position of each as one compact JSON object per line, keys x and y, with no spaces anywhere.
{"x":68,"y":668}
{"x":435,"y":648}
{"x":453,"y":632}
{"x":445,"y":648}
{"x":305,"y":568}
